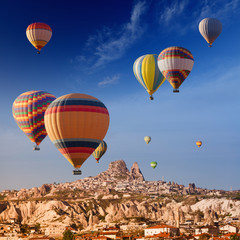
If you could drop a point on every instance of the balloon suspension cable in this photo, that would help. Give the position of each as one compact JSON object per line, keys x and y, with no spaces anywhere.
{"x":175,"y":90}
{"x":151,"y":97}
{"x":36,"y":148}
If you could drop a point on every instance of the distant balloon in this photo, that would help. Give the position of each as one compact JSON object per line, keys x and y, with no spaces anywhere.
{"x":39,"y":34}
{"x":175,"y":63}
{"x":199,"y":143}
{"x":210,"y":29}
{"x":153,"y":164}
{"x":76,"y":124}
{"x":100,"y":150}
{"x":28,"y":111}
{"x":147,"y":73}
{"x":147,"y":139}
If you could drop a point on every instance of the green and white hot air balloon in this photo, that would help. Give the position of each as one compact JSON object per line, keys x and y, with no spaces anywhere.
{"x":153,"y":164}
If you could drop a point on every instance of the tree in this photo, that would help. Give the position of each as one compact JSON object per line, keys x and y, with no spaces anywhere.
{"x":68,"y":235}
{"x":234,"y":237}
{"x":37,"y":227}
{"x":204,"y":236}
{"x":24,"y":228}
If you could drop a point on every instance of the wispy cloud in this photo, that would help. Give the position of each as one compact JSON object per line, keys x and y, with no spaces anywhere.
{"x":111,"y":44}
{"x":172,"y":11}
{"x":218,"y":9}
{"x":109,"y":81}
{"x":184,"y":15}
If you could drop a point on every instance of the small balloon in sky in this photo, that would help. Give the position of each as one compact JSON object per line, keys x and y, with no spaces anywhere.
{"x":28,"y":111}
{"x":147,"y":73}
{"x":199,"y":143}
{"x":100,"y":150}
{"x":210,"y":29}
{"x":39,"y":34}
{"x":76,"y":124}
{"x":153,"y":164}
{"x":175,"y":63}
{"x":147,"y":139}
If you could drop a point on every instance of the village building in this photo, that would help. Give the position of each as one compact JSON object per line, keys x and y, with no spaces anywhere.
{"x":228,"y":228}
{"x":161,"y":229}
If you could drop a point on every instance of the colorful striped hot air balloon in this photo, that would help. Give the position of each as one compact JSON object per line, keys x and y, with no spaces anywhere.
{"x":76,"y":124}
{"x":100,"y":150}
{"x":28,"y":111}
{"x":39,"y":34}
{"x":147,"y":139}
{"x":153,"y":164}
{"x":147,"y":73}
{"x":210,"y":29}
{"x":175,"y":63}
{"x":199,"y":143}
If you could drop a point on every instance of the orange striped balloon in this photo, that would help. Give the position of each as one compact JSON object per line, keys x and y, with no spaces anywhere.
{"x":39,"y":34}
{"x":76,"y":124}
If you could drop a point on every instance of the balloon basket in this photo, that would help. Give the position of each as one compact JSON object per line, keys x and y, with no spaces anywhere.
{"x":77,"y":172}
{"x":175,"y":90}
{"x":151,"y":97}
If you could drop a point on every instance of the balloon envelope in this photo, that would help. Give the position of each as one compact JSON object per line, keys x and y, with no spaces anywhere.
{"x":199,"y":143}
{"x":153,"y":164}
{"x":175,"y":63}
{"x":76,"y":124}
{"x":100,"y":150}
{"x":28,"y":111}
{"x":147,"y":73}
{"x":210,"y":29}
{"x":39,"y":34}
{"x":147,"y":139}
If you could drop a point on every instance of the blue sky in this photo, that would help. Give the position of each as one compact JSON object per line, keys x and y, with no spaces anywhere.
{"x":92,"y":51}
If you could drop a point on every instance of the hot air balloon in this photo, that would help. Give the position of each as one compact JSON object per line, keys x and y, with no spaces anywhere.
{"x":175,"y":63}
{"x":147,"y":73}
{"x":210,"y":29}
{"x":76,"y":124}
{"x":199,"y":143}
{"x":153,"y":164}
{"x":28,"y":111}
{"x":100,"y":150}
{"x":39,"y":34}
{"x":147,"y":139}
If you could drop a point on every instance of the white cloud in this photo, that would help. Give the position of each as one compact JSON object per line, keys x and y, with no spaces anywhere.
{"x":111,"y":44}
{"x":109,"y":81}
{"x":173,"y":14}
{"x":218,"y":9}
{"x":174,"y":10}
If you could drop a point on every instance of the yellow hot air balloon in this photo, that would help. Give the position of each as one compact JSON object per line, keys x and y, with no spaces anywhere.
{"x":76,"y":124}
{"x":146,"y":71}
{"x":100,"y":150}
{"x":199,"y":143}
{"x":147,"y":139}
{"x":39,"y":34}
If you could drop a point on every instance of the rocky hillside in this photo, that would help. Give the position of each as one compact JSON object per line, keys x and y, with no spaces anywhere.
{"x":117,"y":195}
